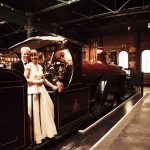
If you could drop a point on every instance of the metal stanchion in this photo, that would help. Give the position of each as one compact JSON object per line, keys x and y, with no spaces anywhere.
{"x":32,"y":118}
{"x":31,"y":123}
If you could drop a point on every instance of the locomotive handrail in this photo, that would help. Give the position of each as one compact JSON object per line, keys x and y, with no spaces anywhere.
{"x":71,"y":77}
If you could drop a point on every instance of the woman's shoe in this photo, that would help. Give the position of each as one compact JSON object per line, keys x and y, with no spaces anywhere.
{"x":38,"y":141}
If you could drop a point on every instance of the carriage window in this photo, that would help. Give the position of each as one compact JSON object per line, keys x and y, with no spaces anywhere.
{"x":146,"y":61}
{"x":123,"y":59}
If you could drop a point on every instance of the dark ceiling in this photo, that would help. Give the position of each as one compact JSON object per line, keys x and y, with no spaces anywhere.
{"x":75,"y":19}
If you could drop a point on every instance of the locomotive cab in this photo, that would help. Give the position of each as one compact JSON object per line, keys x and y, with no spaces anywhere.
{"x":59,"y":67}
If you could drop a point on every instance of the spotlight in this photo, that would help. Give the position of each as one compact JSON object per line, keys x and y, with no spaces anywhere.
{"x":148,"y":25}
{"x":129,"y":28}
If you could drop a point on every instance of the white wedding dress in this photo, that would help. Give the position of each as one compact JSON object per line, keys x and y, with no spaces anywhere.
{"x":43,"y":121}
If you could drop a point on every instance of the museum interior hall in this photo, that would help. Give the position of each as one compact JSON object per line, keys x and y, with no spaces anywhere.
{"x":91,"y":57}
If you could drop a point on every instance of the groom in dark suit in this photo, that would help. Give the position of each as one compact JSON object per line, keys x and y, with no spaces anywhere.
{"x":25,"y":56}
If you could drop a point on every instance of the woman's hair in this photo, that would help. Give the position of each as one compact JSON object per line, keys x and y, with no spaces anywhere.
{"x":33,"y":52}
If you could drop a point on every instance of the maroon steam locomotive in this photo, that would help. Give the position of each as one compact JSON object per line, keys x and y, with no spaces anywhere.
{"x":90,"y":89}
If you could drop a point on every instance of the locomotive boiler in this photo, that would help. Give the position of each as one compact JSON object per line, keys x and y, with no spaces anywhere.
{"x":90,"y":88}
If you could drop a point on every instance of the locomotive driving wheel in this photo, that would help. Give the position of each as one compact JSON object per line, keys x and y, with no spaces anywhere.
{"x":107,"y":96}
{"x":111,"y":100}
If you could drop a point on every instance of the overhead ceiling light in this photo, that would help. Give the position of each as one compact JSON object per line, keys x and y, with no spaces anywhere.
{"x":7,"y":6}
{"x":129,"y":28}
{"x":148,"y":24}
{"x":3,"y":22}
{"x":68,"y":1}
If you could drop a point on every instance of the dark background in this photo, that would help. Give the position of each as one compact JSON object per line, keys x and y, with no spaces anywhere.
{"x":75,"y":19}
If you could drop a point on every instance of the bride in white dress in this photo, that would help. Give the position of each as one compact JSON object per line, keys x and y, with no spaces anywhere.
{"x":43,"y":122}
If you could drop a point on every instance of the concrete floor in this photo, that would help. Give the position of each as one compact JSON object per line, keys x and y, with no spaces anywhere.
{"x":132,"y":132}
{"x":146,"y":89}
